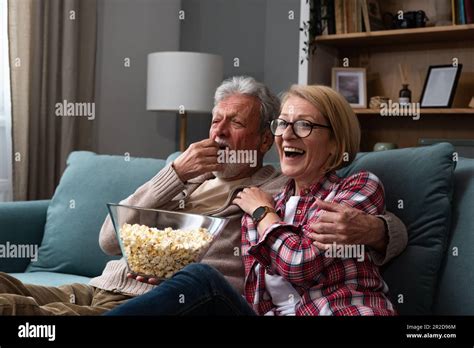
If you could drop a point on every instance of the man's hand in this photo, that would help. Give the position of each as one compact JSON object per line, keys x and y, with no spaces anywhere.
{"x":199,"y":158}
{"x":152,"y":281}
{"x":251,"y":198}
{"x":346,"y":225}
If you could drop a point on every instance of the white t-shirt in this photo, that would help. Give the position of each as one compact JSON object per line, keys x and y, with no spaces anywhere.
{"x":284,"y":295}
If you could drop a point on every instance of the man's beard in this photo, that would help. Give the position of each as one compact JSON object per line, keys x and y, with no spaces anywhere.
{"x":231,"y":170}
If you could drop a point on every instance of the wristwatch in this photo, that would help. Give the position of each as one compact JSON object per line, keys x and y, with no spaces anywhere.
{"x":259,"y":213}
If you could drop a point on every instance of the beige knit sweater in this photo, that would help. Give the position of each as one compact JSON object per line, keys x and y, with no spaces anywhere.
{"x":165,"y":190}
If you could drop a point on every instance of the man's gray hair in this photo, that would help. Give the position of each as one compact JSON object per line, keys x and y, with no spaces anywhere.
{"x":269,"y":103}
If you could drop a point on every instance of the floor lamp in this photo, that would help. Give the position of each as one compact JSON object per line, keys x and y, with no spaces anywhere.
{"x":184,"y":82}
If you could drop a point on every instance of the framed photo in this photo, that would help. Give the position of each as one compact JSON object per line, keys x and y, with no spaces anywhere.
{"x":352,"y":84}
{"x":375,"y":15}
{"x":440,"y":86}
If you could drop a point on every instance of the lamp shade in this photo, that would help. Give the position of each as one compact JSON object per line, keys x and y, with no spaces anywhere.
{"x":182,"y":80}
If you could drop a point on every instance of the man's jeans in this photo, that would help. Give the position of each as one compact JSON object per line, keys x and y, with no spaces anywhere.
{"x":197,"y":289}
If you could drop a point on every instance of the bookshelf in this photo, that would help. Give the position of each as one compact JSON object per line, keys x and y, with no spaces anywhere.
{"x":469,"y":112}
{"x":380,"y":52}
{"x":400,"y":36}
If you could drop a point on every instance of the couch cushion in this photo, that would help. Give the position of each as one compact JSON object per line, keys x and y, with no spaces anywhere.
{"x":418,"y":186}
{"x":455,"y":295}
{"x":78,"y":209}
{"x":49,"y":278}
{"x":14,"y":231}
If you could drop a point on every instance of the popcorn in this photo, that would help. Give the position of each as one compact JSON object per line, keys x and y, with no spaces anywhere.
{"x":161,"y":253}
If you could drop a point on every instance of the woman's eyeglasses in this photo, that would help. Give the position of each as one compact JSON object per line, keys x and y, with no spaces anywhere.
{"x":301,"y":128}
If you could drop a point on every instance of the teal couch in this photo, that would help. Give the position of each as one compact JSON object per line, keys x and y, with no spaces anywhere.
{"x":429,"y":188}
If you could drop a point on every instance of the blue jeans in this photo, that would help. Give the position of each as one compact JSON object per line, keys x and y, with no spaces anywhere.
{"x":197,"y":289}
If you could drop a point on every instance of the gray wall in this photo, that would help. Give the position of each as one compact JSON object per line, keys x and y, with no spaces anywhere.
{"x":133,"y":28}
{"x":281,"y":49}
{"x":232,"y":29}
{"x":258,"y":32}
{"x":281,"y":44}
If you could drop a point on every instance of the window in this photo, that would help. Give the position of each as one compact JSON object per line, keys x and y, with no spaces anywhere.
{"x":5,"y":110}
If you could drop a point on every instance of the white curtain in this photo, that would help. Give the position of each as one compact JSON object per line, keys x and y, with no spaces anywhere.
{"x":5,"y":110}
{"x":52,"y":59}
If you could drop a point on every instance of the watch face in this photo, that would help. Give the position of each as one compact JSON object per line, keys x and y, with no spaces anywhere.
{"x":258,"y":213}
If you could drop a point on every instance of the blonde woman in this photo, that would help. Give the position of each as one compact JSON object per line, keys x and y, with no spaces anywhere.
{"x":316,"y":133}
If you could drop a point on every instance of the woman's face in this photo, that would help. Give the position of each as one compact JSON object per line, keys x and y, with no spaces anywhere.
{"x":303,"y":159}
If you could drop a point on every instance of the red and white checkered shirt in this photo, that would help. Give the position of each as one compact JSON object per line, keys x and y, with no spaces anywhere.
{"x":327,"y":285}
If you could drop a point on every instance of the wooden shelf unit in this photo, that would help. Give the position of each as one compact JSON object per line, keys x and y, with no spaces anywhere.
{"x":380,"y":52}
{"x":406,"y":132}
{"x":399,"y":36}
{"x":424,"y":112}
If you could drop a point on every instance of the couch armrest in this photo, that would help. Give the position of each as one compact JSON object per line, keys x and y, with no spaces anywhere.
{"x":21,"y":223}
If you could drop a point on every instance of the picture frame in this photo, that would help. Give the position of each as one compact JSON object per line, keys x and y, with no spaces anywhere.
{"x":375,"y":15}
{"x":440,"y":86}
{"x":352,"y":84}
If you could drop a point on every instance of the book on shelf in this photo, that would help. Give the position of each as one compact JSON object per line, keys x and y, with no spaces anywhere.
{"x":341,"y":16}
{"x":453,"y":11}
{"x":365,"y":14}
{"x":324,"y":17}
{"x":461,"y":17}
{"x":462,"y":11}
{"x":469,"y":11}
{"x":375,"y":15}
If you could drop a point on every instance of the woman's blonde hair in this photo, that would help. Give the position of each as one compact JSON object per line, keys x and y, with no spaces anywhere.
{"x":340,"y":116}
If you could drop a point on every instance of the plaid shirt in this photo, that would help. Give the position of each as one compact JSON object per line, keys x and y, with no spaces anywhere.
{"x":327,"y":285}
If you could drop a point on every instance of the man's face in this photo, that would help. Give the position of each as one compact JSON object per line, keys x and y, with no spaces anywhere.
{"x":236,"y":126}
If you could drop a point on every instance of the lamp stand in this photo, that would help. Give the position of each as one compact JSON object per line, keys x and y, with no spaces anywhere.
{"x":183,"y":126}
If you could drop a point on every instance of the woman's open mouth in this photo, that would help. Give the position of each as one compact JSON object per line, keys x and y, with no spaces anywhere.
{"x":293,"y":152}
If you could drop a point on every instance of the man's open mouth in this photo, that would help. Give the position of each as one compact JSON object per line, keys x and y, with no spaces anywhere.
{"x":222,"y":145}
{"x":293,"y":152}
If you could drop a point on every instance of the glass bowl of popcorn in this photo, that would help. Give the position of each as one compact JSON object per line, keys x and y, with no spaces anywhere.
{"x":158,"y":243}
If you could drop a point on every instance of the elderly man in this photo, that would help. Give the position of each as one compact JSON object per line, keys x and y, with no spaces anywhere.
{"x":197,"y":178}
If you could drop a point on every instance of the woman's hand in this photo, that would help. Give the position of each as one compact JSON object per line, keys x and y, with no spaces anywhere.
{"x":251,"y":198}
